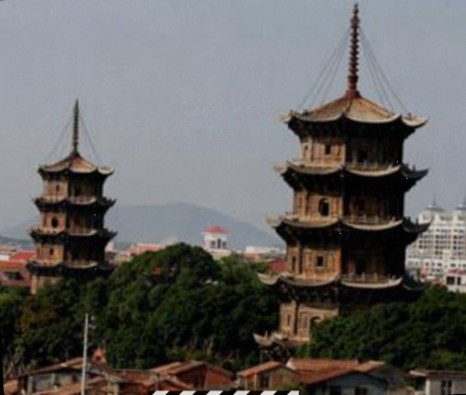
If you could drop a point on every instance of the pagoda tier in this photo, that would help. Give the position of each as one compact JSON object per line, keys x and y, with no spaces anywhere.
{"x":352,"y":115}
{"x":352,"y":229}
{"x":40,"y":234}
{"x":64,"y":203}
{"x":392,"y":178}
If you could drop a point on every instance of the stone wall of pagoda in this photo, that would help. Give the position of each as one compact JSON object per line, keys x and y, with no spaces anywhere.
{"x":297,"y":320}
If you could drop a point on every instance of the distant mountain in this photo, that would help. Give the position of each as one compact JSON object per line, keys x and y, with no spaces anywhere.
{"x":169,"y":222}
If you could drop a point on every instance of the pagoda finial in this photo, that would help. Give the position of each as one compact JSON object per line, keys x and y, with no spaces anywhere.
{"x":75,"y":142}
{"x":352,"y":90}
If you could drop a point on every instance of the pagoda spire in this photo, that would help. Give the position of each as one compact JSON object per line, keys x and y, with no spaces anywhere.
{"x":75,"y":141}
{"x":352,"y":90}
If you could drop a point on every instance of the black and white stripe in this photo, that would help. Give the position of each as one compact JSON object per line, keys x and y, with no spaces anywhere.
{"x":223,"y":393}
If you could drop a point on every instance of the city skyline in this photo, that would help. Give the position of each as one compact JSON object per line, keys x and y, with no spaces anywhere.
{"x":183,"y":100}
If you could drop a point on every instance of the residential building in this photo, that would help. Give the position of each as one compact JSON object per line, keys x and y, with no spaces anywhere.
{"x":434,"y":382}
{"x":439,"y":255}
{"x":342,"y":381}
{"x":101,"y":379}
{"x":14,"y":274}
{"x":268,"y":375}
{"x":197,"y":374}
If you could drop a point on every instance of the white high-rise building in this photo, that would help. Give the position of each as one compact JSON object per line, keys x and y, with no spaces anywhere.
{"x":440,"y":252}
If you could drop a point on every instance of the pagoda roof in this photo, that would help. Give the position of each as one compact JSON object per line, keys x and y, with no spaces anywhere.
{"x":357,"y":109}
{"x":75,"y":163}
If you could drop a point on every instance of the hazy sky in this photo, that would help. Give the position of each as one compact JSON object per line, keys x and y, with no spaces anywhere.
{"x":182,"y":97}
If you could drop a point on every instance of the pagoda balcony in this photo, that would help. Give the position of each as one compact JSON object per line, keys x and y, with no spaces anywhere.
{"x":369,"y":220}
{"x":90,"y":199}
{"x":81,"y":263}
{"x":50,"y":198}
{"x":46,"y":230}
{"x":367,"y":278}
{"x":350,"y":219}
{"x":354,"y":165}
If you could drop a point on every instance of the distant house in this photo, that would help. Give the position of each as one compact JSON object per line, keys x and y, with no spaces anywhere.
{"x":14,"y":274}
{"x":308,"y":367}
{"x":269,"y":375}
{"x":198,"y":375}
{"x":101,"y":379}
{"x":434,"y":382}
{"x":343,"y":381}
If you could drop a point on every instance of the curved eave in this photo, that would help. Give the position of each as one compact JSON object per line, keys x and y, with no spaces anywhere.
{"x":414,"y":122}
{"x":292,"y":229}
{"x":96,"y":171}
{"x":105,"y":203}
{"x":102,"y":234}
{"x":400,"y":170}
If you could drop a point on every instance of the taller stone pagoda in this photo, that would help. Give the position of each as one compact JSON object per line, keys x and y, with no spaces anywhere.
{"x":347,"y":235}
{"x":71,"y":238}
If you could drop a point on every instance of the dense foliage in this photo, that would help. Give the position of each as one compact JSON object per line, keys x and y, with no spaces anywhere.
{"x":424,"y":334}
{"x":174,"y":304}
{"x":181,"y":304}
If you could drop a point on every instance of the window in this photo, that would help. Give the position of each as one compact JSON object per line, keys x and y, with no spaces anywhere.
{"x":328,"y":149}
{"x":264,"y":381}
{"x":320,"y":261}
{"x":51,"y":251}
{"x":360,"y":206}
{"x":458,"y":280}
{"x":54,"y":222}
{"x":77,"y":191}
{"x":293,"y":264}
{"x":57,"y":188}
{"x":450,"y":280}
{"x":361,"y":391}
{"x":314,"y":321}
{"x":14,"y":276}
{"x":305,"y":152}
{"x":288,"y":320}
{"x":334,"y":390}
{"x":324,"y":207}
{"x":445,"y":387}
{"x":360,"y":267}
{"x":363,"y":155}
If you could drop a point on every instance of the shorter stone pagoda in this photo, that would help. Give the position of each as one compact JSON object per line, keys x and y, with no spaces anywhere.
{"x":71,"y":238}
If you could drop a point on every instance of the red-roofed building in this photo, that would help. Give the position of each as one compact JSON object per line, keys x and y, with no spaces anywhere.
{"x":197,"y":374}
{"x":23,"y":256}
{"x":268,"y":375}
{"x":216,"y":241}
{"x":14,"y":274}
{"x":278,"y":265}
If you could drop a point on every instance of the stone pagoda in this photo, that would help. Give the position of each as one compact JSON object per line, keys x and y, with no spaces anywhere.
{"x":346,"y":236}
{"x":71,"y":238}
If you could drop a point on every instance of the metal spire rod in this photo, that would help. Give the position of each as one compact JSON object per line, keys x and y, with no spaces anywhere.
{"x":352,"y":90}
{"x":83,"y":374}
{"x":75,"y":142}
